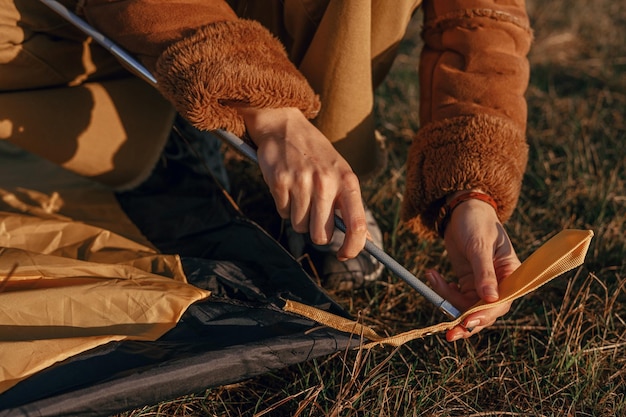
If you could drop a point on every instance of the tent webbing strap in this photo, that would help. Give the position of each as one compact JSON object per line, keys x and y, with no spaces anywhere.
{"x":563,"y":252}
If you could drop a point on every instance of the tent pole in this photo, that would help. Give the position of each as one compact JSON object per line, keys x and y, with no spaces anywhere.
{"x":134,"y":66}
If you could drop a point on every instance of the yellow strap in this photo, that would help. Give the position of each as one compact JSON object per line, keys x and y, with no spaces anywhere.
{"x":563,"y":252}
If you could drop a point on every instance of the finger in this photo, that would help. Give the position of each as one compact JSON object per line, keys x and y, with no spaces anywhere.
{"x":450,"y":291}
{"x":485,"y":280}
{"x":321,"y":219}
{"x":279,"y":183}
{"x":353,"y":213}
{"x":475,"y":322}
{"x":300,"y":202}
{"x":300,"y":205}
{"x":282,"y":203}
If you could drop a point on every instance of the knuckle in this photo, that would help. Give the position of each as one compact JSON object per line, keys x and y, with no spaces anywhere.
{"x":350,"y":181}
{"x":358,"y":225}
{"x":303,"y":179}
{"x":281,"y":180}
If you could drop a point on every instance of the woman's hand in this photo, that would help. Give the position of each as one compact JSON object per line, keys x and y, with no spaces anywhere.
{"x":482,"y":255}
{"x":307,"y":177}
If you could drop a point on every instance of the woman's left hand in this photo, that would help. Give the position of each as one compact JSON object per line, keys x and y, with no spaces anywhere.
{"x":482,"y":255}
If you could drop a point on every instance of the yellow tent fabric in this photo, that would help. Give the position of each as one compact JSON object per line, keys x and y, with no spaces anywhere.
{"x":563,"y":252}
{"x":75,"y":273}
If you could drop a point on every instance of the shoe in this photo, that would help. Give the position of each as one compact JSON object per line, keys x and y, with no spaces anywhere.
{"x":200,"y":151}
{"x":334,"y":274}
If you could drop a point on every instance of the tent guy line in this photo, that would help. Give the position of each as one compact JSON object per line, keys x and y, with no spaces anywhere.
{"x":134,"y":66}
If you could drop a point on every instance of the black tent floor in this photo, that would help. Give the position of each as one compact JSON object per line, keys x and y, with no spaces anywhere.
{"x":241,"y":331}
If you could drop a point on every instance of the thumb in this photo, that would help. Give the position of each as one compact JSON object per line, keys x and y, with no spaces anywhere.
{"x":485,"y":280}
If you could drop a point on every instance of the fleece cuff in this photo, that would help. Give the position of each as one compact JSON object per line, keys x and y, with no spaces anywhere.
{"x":226,"y":63}
{"x":467,"y":152}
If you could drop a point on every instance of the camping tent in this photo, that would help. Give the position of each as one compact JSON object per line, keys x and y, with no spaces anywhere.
{"x":109,"y":302}
{"x":237,"y":332}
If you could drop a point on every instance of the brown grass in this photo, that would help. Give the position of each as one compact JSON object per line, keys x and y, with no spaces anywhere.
{"x":561,"y":351}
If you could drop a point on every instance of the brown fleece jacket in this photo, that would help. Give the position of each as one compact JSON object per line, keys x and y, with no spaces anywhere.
{"x":204,"y":57}
{"x":473,"y":75}
{"x":204,"y":77}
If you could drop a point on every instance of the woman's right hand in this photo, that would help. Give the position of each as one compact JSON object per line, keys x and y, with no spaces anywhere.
{"x":308,"y":179}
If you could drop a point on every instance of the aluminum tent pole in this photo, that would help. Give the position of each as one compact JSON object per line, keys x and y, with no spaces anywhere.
{"x":134,"y":66}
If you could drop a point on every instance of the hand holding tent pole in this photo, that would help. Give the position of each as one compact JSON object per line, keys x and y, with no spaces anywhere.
{"x":134,"y":66}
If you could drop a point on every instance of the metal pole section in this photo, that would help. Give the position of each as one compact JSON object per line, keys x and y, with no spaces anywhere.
{"x":109,"y":45}
{"x":133,"y":65}
{"x":393,"y":265}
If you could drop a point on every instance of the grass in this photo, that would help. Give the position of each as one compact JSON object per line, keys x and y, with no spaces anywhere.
{"x":561,"y":351}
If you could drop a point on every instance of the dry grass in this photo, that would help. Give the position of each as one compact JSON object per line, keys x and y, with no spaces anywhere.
{"x":561,"y":351}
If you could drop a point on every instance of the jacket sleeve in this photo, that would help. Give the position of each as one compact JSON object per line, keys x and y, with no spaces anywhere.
{"x":473,"y":77}
{"x":204,"y":57}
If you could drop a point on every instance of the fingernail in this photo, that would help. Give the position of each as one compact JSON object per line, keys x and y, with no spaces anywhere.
{"x":322,"y":241}
{"x":470,"y":324}
{"x":454,"y":338}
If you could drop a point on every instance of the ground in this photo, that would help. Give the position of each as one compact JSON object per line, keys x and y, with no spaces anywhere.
{"x":561,"y":351}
